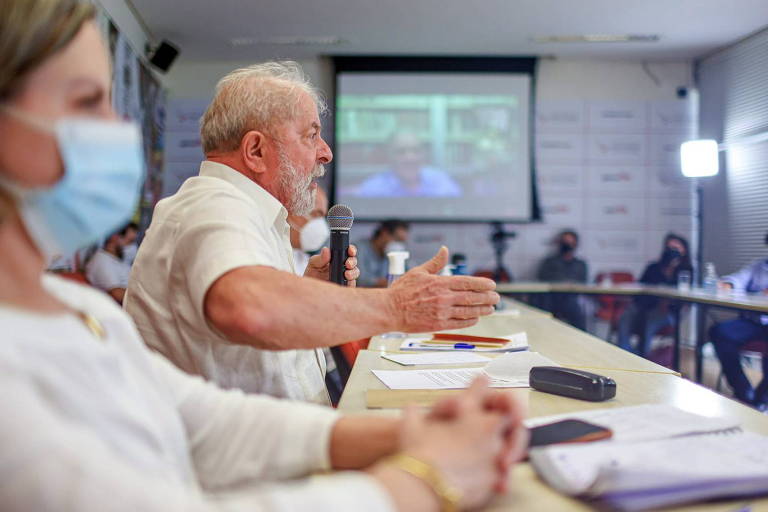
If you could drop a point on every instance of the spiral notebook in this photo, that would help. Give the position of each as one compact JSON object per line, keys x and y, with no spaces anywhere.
{"x":698,"y":458}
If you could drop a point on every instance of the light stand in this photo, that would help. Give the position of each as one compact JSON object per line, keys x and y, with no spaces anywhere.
{"x":699,"y":158}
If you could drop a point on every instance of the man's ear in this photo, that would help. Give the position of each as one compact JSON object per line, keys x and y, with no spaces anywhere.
{"x":253,"y":149}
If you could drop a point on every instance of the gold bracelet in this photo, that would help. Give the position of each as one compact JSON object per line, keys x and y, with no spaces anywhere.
{"x":448,"y":495}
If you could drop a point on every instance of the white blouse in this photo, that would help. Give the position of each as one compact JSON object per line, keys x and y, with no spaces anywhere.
{"x":95,"y":424}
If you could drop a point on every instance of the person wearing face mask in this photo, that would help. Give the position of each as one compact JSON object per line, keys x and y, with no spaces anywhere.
{"x":214,"y":288}
{"x":730,"y":336}
{"x":91,"y":419}
{"x":107,"y":269}
{"x":564,"y":267}
{"x":131,"y":247}
{"x":647,"y":315}
{"x":309,"y":233}
{"x":390,"y":235}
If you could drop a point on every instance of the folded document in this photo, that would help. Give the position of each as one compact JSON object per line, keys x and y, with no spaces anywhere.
{"x":706,"y":458}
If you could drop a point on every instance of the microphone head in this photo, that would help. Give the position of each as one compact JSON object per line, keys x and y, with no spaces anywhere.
{"x":340,"y":217}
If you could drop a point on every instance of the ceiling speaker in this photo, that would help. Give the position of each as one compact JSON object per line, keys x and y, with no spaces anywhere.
{"x":164,"y":55}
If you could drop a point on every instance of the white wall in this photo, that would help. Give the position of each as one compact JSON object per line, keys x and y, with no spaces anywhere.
{"x":194,"y":80}
{"x":125,"y":19}
{"x":570,"y":188}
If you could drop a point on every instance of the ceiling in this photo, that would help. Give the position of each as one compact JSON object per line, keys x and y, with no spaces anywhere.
{"x":203,"y":29}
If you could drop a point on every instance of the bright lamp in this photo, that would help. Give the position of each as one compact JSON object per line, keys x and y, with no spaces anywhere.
{"x":699,"y":158}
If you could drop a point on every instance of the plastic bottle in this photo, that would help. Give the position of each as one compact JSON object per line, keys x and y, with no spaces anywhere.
{"x":396,"y":269}
{"x":397,"y":261}
{"x":709,"y":280}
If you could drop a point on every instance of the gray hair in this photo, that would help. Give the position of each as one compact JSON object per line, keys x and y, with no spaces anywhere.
{"x":258,"y":97}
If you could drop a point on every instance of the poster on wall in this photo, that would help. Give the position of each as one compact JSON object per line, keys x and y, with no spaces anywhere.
{"x":126,"y":85}
{"x":137,"y":95}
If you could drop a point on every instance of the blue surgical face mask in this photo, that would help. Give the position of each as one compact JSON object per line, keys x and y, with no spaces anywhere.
{"x":103,"y":172}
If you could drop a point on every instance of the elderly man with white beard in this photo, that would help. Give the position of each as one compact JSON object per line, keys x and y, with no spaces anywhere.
{"x":213,"y":288}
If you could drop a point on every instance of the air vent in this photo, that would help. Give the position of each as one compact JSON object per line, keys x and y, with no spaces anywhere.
{"x":600,"y":38}
{"x":288,"y":41}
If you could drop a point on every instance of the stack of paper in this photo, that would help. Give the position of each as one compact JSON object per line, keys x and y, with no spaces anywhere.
{"x":659,"y":456}
{"x":507,"y":371}
{"x":644,"y":422}
{"x":515,"y":342}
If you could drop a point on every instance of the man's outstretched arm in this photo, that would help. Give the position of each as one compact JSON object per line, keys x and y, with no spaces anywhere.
{"x":275,"y":310}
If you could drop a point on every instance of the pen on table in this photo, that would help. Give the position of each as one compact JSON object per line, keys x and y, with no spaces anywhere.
{"x":473,"y":344}
{"x":458,"y":346}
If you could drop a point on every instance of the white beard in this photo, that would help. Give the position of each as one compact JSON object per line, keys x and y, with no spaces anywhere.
{"x":295,"y":188}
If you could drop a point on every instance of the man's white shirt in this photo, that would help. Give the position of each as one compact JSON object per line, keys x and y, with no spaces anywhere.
{"x":106,"y":271}
{"x":216,"y":222}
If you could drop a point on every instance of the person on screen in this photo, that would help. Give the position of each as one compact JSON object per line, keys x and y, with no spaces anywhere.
{"x":647,"y":315}
{"x":390,"y":235}
{"x":730,"y":336}
{"x":565,"y":267}
{"x":410,"y":174}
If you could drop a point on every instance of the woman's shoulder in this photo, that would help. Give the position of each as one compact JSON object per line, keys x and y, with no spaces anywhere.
{"x":81,"y":296}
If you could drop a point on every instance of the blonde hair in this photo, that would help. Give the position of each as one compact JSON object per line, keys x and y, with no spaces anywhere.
{"x":254,"y":98}
{"x":33,"y":30}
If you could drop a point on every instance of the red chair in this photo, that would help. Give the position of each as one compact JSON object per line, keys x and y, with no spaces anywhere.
{"x":352,"y":348}
{"x":610,"y":307}
{"x":345,"y":355}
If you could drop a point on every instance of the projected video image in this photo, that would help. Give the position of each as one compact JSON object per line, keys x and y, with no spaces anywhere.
{"x":406,"y":153}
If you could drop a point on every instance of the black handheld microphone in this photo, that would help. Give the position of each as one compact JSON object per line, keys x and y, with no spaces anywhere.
{"x":340,"y":219}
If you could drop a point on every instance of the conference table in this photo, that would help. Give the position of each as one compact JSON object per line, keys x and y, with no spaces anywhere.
{"x":638,"y":380}
{"x":723,"y":299}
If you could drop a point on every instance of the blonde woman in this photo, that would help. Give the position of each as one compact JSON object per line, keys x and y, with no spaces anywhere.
{"x":93,"y":421}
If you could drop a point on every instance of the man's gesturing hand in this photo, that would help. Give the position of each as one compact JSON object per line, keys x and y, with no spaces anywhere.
{"x":423,"y":301}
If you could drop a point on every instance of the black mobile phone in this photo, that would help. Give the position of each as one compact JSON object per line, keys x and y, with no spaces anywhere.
{"x":567,"y":431}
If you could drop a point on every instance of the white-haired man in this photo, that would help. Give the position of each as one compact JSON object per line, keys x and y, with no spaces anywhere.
{"x":212,"y":287}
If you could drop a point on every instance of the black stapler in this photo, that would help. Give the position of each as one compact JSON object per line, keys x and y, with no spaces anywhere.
{"x":572,"y":383}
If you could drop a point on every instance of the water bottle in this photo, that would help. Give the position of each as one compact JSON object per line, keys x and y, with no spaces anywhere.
{"x":709,"y":281}
{"x":397,"y":261}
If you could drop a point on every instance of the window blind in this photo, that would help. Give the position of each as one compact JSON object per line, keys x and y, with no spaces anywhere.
{"x":733,"y":86}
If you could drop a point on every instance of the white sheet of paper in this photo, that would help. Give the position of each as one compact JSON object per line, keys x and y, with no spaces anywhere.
{"x":454,"y":378}
{"x":437,"y":358}
{"x":516,"y":365}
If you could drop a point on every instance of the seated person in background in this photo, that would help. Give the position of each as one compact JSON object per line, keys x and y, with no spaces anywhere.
{"x":728,"y":337}
{"x":213,"y":287}
{"x":390,"y":235}
{"x":107,"y":269}
{"x":93,"y":420}
{"x":410,"y":175}
{"x":565,"y":267}
{"x":309,"y":232}
{"x":646,"y":315}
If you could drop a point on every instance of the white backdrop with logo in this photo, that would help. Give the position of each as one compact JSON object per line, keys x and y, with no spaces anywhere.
{"x":609,"y":170}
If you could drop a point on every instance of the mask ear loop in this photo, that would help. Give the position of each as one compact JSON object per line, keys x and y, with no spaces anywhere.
{"x":29,"y":119}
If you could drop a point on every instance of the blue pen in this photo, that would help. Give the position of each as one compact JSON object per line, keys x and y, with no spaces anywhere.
{"x":460,"y":346}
